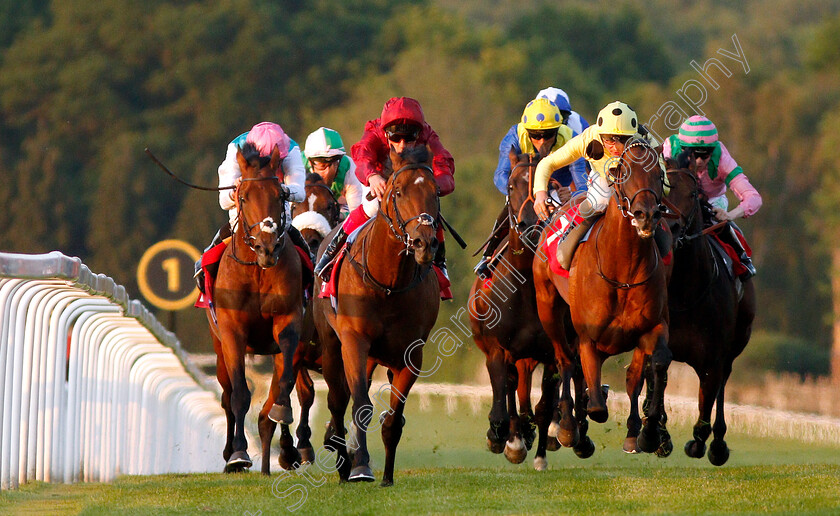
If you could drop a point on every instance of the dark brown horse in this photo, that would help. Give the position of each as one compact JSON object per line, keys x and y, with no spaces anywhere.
{"x":259,"y":303}
{"x":711,"y":317}
{"x":514,"y":342}
{"x":317,"y":214}
{"x":617,"y":293}
{"x":387,"y":303}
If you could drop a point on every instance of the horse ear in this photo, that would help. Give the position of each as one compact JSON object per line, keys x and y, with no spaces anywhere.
{"x":513,"y":156}
{"x":243,"y":163}
{"x":275,"y":159}
{"x":658,"y":149}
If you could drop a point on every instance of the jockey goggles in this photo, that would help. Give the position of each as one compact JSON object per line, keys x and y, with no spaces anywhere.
{"x":545,"y":134}
{"x":703,"y":152}
{"x":615,"y":138}
{"x":326,"y":160}
{"x":402,"y":132}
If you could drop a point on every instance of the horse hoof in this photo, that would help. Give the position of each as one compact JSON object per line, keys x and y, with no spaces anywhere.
{"x":386,"y":483}
{"x":646,"y":444}
{"x":695,"y":449}
{"x":239,"y":461}
{"x":307,"y":455}
{"x":540,"y":464}
{"x":385,"y":414}
{"x":630,"y":445}
{"x":665,"y":449}
{"x":281,"y":414}
{"x":495,"y":446}
{"x":289,"y":458}
{"x":599,"y":414}
{"x":718,"y":452}
{"x":552,"y":444}
{"x":585,"y":448}
{"x":568,"y":437}
{"x":361,"y":474}
{"x":515,"y":451}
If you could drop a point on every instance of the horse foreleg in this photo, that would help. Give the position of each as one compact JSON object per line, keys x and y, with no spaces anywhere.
{"x":515,"y":450}
{"x":240,"y":401}
{"x":590,"y":361}
{"x":337,"y":399}
{"x":306,"y":396}
{"x":633,"y":384}
{"x":224,"y":382}
{"x":287,"y":340}
{"x":654,"y":435}
{"x":525,"y":369}
{"x":543,"y":414}
{"x":392,"y":425}
{"x":718,"y":450}
{"x":354,"y":353}
{"x":497,"y":434}
{"x":585,"y":447}
{"x":709,"y":385}
{"x":267,"y":428}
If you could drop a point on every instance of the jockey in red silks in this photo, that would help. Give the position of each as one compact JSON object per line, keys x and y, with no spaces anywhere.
{"x":400,"y":126}
{"x":717,"y":171}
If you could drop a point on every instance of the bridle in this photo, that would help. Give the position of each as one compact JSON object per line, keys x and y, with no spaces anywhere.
{"x":514,"y":218}
{"x":398,"y":227}
{"x":686,"y":221}
{"x":334,"y":207}
{"x":267,"y":224}
{"x":624,"y":203}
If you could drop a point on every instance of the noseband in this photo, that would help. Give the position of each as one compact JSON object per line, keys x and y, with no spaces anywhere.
{"x":268,"y":224}
{"x":686,"y":221}
{"x":398,"y":224}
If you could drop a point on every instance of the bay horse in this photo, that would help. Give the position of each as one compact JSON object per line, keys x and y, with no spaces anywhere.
{"x":320,"y":202}
{"x":514,"y":342}
{"x":616,"y":293}
{"x":387,"y":304}
{"x":258,"y":297}
{"x":710,"y":319}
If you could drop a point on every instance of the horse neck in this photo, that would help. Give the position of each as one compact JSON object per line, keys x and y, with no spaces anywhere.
{"x":694,"y":260}
{"x":521,"y":256}
{"x":382,"y":250}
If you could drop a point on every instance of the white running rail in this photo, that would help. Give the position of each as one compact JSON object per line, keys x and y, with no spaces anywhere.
{"x":91,"y":384}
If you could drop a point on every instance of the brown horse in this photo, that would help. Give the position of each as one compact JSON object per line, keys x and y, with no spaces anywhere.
{"x":514,"y":342}
{"x":387,"y":303}
{"x":711,"y":318}
{"x":617,"y":293}
{"x":318,"y":213}
{"x":259,"y":303}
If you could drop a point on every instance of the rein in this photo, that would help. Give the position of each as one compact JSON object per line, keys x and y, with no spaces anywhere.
{"x":398,"y":228}
{"x":242,"y":222}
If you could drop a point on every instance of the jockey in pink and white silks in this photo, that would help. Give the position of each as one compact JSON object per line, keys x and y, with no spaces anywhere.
{"x":717,"y":171}
{"x":265,"y":136}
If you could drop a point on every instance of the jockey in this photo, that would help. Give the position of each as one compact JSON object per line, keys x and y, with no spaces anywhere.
{"x":400,"y":126}
{"x":600,"y":145}
{"x":570,"y":117}
{"x":265,"y":136}
{"x":541,"y":131}
{"x":716,"y":171}
{"x":325,"y":155}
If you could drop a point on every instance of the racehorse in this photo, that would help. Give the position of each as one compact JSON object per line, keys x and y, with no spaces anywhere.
{"x":711,"y":321}
{"x":259,"y":305}
{"x":617,"y":294}
{"x":387,"y":303}
{"x":514,"y":342}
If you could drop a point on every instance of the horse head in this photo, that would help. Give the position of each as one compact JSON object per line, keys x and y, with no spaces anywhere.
{"x":317,"y":214}
{"x":411,"y":202}
{"x":638,"y":184}
{"x":684,"y":198}
{"x":520,"y":187}
{"x":261,"y":204}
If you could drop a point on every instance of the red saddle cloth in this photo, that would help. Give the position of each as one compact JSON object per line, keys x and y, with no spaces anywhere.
{"x":329,"y":288}
{"x":556,"y":230}
{"x":737,"y":267}
{"x":214,"y":256}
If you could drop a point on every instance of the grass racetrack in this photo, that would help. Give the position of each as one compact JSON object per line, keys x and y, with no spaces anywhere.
{"x":443,"y":467}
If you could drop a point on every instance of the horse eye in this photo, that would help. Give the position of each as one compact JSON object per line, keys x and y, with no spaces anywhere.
{"x":398,"y":193}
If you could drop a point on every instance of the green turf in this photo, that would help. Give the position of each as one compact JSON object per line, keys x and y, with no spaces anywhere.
{"x":443,"y":468}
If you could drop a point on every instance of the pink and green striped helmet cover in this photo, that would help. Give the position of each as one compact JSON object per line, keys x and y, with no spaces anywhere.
{"x":698,"y":131}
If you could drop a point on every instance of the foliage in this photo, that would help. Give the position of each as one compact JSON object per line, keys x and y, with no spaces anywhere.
{"x":778,"y":352}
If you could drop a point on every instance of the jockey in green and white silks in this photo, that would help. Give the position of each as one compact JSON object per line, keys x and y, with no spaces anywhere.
{"x":324,"y":154}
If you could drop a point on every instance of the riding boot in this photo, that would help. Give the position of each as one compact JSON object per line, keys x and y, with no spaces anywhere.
{"x":746,"y":261}
{"x":664,"y":241}
{"x":199,"y":271}
{"x":484,"y":267}
{"x":575,"y":232}
{"x":440,"y":259}
{"x":299,"y":241}
{"x":324,"y":267}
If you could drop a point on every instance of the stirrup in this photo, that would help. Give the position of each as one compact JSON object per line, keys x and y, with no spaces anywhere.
{"x":483,"y":266}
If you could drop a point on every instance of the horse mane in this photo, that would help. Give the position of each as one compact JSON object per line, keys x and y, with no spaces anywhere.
{"x":414,"y":155}
{"x":313,"y":178}
{"x":252,"y":155}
